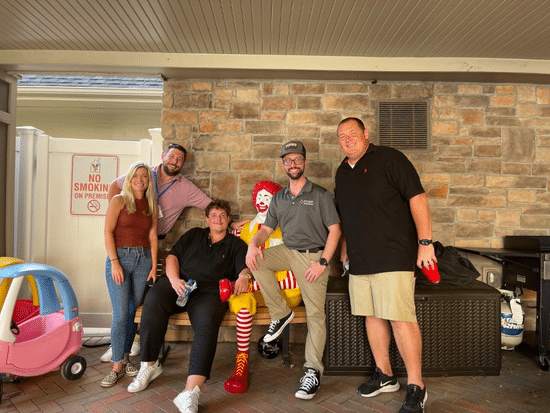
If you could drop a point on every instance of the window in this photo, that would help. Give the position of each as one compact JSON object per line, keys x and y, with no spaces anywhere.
{"x":403,"y":125}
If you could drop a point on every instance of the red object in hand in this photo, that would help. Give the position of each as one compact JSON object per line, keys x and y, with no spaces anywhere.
{"x":432,"y":274}
{"x":226,"y":289}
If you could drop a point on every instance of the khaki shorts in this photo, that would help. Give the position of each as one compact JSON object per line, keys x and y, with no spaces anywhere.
{"x":387,"y":295}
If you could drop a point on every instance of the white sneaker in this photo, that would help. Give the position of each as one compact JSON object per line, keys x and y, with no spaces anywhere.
{"x":146,"y":374}
{"x":106,"y":357}
{"x":188,"y":401}
{"x":135,"y":349}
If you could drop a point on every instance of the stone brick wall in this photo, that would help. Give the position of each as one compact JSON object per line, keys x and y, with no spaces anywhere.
{"x":486,"y":175}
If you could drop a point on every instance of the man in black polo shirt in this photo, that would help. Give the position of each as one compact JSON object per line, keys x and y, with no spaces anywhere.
{"x":387,"y":229}
{"x":306,"y":214}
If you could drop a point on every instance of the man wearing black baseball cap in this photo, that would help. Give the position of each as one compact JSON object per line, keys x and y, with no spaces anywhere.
{"x":293,"y":147}
{"x":306,"y":214}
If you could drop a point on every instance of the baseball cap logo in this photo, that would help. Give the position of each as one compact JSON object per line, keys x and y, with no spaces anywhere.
{"x":293,"y":147}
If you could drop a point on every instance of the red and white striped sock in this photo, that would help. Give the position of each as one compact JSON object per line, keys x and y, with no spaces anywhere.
{"x":244,"y":329}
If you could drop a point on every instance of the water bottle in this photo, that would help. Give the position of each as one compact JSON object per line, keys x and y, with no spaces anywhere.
{"x":182,"y":299}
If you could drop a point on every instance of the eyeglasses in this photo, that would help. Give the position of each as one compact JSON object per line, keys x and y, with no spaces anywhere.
{"x":297,"y":161}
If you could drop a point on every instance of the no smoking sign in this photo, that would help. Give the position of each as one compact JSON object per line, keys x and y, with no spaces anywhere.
{"x":94,"y":206}
{"x":91,"y":177}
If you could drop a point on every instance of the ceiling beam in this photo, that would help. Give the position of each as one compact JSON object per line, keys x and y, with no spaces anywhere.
{"x":182,"y":65}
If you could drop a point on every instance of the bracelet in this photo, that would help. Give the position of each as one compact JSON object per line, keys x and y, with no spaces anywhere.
{"x":113,"y":259}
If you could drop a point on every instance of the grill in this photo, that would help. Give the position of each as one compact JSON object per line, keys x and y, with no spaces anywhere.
{"x":525,"y":263}
{"x":460,"y":332}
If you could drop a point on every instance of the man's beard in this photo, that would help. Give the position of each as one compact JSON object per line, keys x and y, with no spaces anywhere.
{"x":298,"y":175}
{"x":169,"y":172}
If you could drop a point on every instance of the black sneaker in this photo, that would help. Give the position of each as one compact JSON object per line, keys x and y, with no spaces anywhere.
{"x":414,"y":399}
{"x":378,"y":383}
{"x":276,"y":327}
{"x":310,"y":383}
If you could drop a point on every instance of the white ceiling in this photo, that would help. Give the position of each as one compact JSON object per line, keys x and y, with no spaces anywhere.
{"x":462,"y":40}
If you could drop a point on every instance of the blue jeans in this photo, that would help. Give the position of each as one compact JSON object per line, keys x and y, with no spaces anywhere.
{"x":126,"y":298}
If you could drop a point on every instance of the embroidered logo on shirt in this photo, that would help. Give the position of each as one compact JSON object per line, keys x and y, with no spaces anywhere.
{"x":306,"y":202}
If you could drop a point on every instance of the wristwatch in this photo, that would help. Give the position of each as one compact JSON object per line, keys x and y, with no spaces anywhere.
{"x":323,"y":262}
{"x":425,"y":242}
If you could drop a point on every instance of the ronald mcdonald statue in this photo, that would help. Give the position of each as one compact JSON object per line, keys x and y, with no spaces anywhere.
{"x":244,"y":305}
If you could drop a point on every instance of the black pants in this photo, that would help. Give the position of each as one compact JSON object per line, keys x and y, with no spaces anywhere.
{"x":206,"y":311}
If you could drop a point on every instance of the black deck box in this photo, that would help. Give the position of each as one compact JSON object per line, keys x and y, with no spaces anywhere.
{"x":460,"y":332}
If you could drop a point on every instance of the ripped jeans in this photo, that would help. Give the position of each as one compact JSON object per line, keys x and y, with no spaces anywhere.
{"x":125,"y":298}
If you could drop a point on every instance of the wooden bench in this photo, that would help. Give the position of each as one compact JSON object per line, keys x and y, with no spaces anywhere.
{"x":230,"y":320}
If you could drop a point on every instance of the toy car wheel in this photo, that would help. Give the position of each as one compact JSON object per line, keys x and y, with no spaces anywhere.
{"x":73,"y":368}
{"x":269,"y":350}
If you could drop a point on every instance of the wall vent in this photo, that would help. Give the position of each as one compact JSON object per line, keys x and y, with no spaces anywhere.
{"x":404,"y":125}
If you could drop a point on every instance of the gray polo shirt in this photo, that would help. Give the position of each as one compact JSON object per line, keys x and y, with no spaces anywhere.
{"x":303,"y":219}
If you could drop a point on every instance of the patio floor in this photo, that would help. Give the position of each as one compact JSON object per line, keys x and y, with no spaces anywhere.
{"x":521,"y":387}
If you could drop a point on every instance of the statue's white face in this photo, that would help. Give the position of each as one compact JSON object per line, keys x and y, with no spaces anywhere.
{"x":263,"y":199}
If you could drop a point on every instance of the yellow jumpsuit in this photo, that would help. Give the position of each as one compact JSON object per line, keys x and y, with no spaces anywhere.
{"x":252,"y":300}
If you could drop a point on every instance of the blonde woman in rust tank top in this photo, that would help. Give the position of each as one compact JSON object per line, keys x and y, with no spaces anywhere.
{"x":131,"y":243}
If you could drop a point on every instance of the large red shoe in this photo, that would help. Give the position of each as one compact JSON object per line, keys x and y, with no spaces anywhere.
{"x":226,"y":289}
{"x":238,"y":382}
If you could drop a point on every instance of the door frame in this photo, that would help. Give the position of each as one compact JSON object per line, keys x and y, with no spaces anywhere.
{"x":7,"y":158}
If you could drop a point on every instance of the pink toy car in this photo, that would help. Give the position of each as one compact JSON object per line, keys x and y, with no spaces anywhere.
{"x":43,"y":342}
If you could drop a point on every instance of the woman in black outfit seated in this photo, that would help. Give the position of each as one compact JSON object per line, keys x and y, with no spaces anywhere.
{"x":205,"y":255}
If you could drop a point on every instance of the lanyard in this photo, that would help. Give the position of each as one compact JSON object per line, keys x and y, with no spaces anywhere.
{"x":157,"y":187}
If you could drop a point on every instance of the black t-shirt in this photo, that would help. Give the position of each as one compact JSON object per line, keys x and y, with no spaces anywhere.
{"x":373,"y":202}
{"x":208,"y":263}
